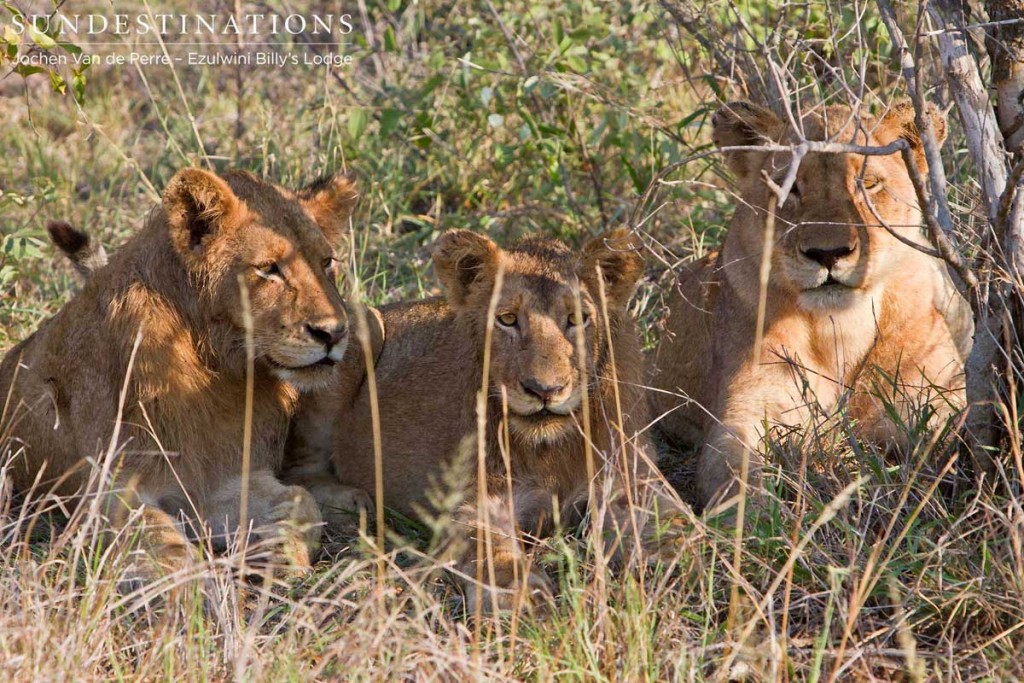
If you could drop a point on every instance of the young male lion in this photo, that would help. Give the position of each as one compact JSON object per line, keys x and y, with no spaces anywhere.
{"x":429,"y":368}
{"x":853,"y":315}
{"x":142,"y":375}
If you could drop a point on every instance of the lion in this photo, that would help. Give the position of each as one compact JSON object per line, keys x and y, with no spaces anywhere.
{"x":141,"y":378}
{"x":542,"y":397}
{"x":855,"y":315}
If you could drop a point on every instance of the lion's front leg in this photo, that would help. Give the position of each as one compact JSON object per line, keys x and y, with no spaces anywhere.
{"x":285,"y":520}
{"x":508,"y":577}
{"x":310,"y":468}
{"x":777,"y":392}
{"x":157,"y":546}
{"x":634,"y":511}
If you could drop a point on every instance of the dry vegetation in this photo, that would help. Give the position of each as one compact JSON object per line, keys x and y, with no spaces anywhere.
{"x":563,"y":118}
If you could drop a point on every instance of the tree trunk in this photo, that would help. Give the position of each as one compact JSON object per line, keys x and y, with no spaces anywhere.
{"x":1005,"y":45}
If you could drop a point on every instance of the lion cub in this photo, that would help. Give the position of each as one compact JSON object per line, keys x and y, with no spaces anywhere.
{"x":853,"y":314}
{"x":430,"y":366}
{"x":140,"y":379}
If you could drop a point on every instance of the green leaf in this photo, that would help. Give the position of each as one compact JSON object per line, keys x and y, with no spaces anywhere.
{"x":389,"y":119}
{"x":10,"y":36}
{"x":78,"y":84}
{"x":390,"y":42}
{"x":58,"y":83}
{"x":41,"y":39}
{"x":26,"y":70}
{"x":504,"y":154}
{"x":357,"y":121}
{"x":71,"y":47}
{"x":394,"y":5}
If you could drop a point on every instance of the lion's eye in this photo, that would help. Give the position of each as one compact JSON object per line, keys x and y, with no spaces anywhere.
{"x":330,"y":263}
{"x":872,"y":184}
{"x":581,"y":319}
{"x":507,"y":319}
{"x":268,"y":270}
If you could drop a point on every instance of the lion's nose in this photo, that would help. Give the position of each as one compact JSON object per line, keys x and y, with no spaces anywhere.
{"x":828,"y":257}
{"x":327,"y":333}
{"x":542,"y":391}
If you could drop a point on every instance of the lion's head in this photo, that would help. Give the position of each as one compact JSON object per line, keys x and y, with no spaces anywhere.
{"x":832,"y":246}
{"x":536,"y":326}
{"x":239,"y":230}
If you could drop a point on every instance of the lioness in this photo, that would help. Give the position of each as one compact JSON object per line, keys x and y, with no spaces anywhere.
{"x":144,"y":371}
{"x":852,"y":313}
{"x":429,"y":369}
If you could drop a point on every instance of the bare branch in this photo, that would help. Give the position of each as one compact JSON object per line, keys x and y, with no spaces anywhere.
{"x":782,"y":191}
{"x":935,"y":202}
{"x":934,"y":253}
{"x":939,"y":236}
{"x":805,"y":147}
{"x":730,"y":60}
{"x":984,"y":141}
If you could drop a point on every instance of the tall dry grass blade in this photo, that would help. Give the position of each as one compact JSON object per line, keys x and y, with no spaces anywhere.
{"x":905,"y":635}
{"x":363,"y":335}
{"x":871,"y":574}
{"x":624,"y":460}
{"x":250,"y":371}
{"x":181,"y":91}
{"x":763,"y":275}
{"x":588,"y":441}
{"x":90,"y":527}
{"x":483,"y":539}
{"x":519,"y":568}
{"x":620,"y":430}
{"x":762,"y":305}
{"x":597,"y":546}
{"x":121,"y":400}
{"x":761,"y":607}
{"x":737,"y":549}
{"x":10,"y":395}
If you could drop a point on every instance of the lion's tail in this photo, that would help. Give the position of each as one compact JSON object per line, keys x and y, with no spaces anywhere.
{"x":85,"y":254}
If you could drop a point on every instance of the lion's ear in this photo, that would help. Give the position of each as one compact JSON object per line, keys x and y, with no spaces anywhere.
{"x":330,"y":202}
{"x":742,"y":124}
{"x":618,"y":255}
{"x":899,"y":123}
{"x":199,"y":205}
{"x":464,"y":260}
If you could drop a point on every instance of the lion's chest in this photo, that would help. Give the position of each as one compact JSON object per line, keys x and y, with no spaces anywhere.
{"x":557,"y":467}
{"x":867,"y":350}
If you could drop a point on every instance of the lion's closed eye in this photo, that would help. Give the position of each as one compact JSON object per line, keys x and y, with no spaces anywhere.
{"x":269,"y":270}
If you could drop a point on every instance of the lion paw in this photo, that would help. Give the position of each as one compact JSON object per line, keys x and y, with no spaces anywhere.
{"x":509,"y":594}
{"x":289,"y":533}
{"x":342,"y":505}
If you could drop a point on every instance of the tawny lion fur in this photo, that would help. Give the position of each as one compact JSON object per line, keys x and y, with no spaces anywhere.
{"x":849,"y":307}
{"x":429,"y":362}
{"x":167,"y":313}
